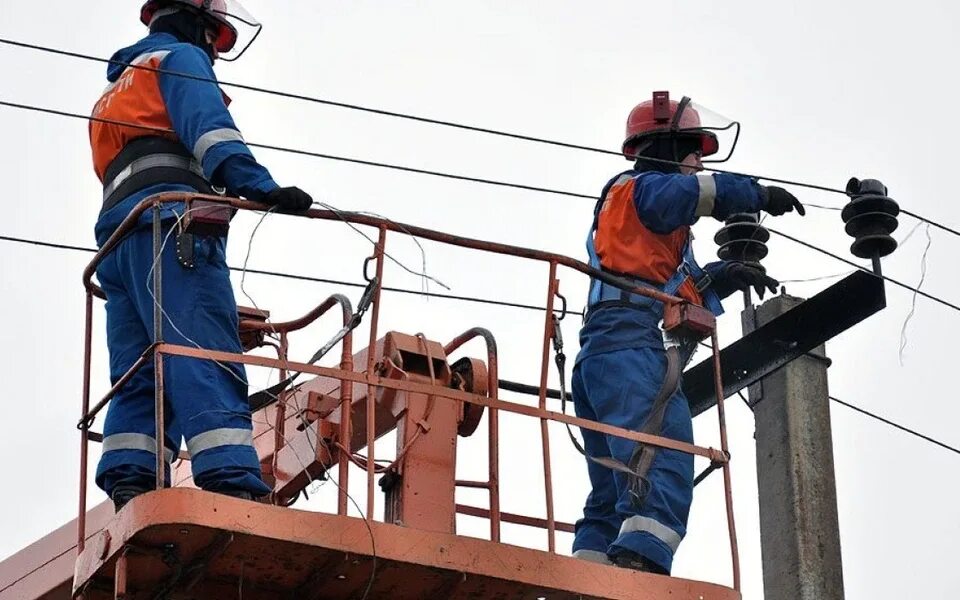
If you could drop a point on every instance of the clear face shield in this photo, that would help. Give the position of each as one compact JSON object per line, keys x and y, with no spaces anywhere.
{"x":240,"y":29}
{"x":718,"y":133}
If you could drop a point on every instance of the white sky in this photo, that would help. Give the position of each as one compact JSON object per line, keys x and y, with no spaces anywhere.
{"x":825,"y":91}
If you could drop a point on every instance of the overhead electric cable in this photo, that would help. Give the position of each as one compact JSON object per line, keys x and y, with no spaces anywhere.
{"x":359,"y":161}
{"x":896,"y":425}
{"x":293,"y":276}
{"x":404,"y":168}
{"x":504,"y":384}
{"x":863,"y":268}
{"x":438,"y":174}
{"x":554,"y":394}
{"x":18,"y":240}
{"x":432,"y":121}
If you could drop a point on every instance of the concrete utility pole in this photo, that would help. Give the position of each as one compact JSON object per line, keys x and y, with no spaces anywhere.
{"x":799,"y":532}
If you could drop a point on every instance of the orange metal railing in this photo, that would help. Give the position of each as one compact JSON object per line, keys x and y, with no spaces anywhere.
{"x":347,"y":376}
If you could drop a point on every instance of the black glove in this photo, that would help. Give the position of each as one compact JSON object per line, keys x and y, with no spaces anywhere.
{"x":289,"y":198}
{"x":778,"y":201}
{"x":742,"y":276}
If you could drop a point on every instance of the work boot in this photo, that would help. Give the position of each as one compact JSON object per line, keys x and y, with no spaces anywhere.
{"x":123,"y":494}
{"x":631,"y":560}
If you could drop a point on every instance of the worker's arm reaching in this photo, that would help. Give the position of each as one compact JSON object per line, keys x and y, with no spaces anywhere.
{"x":199,"y":116}
{"x":666,"y":201}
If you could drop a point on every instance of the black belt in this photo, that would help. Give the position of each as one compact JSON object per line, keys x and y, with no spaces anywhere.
{"x":149,"y":161}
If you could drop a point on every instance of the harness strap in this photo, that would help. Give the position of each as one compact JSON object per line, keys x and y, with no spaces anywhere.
{"x":148,"y":161}
{"x":603,"y":294}
{"x":641,"y":460}
{"x":643,"y":454}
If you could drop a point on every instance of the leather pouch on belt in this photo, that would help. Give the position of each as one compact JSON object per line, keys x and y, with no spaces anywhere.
{"x":207,"y":218}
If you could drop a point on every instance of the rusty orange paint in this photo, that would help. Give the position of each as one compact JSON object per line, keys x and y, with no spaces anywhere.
{"x":282,"y":552}
{"x":404,"y":383}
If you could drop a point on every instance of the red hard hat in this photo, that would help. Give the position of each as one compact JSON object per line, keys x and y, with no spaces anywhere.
{"x":659,"y":116}
{"x":217,"y":10}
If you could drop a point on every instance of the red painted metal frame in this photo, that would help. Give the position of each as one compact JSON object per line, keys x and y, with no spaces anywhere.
{"x":284,"y":328}
{"x":450,"y":394}
{"x":492,"y":485}
{"x":378,"y":255}
{"x":544,"y":432}
{"x":340,"y":550}
{"x":727,"y":486}
{"x":346,"y":374}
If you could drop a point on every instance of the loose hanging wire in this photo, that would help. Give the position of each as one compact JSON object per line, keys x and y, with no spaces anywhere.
{"x":913,"y":300}
{"x":900,"y":244}
{"x":242,"y":380}
{"x":424,"y":277}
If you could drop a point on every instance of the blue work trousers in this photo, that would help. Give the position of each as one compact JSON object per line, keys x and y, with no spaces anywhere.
{"x":618,"y":388}
{"x":204,"y":402}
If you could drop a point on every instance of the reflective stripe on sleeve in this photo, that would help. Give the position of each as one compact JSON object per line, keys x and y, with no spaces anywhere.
{"x":708,"y":195}
{"x":219,"y":437}
{"x":134,"y":441}
{"x":655,"y":528}
{"x":212,"y":138}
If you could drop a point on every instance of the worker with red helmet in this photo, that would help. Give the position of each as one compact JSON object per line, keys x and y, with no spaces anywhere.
{"x":162,"y":125}
{"x":641,"y":232}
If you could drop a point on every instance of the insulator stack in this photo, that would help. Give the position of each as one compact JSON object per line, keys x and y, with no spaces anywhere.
{"x":870,"y":218}
{"x":742,"y":239}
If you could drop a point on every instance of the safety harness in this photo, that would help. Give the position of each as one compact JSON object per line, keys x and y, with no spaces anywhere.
{"x":147,"y":161}
{"x":602,"y":295}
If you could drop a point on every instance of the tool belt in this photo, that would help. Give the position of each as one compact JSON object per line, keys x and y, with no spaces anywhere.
{"x":609,"y":295}
{"x":149,"y":161}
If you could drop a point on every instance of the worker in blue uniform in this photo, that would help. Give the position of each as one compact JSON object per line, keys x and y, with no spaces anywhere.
{"x":165,"y":127}
{"x":641,"y":232}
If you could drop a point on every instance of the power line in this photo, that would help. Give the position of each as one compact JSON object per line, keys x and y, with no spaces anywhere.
{"x":897,"y":425}
{"x":862,"y":268}
{"x":369,"y":163}
{"x":52,"y":111}
{"x":18,"y":240}
{"x":294,"y":276}
{"x":431,"y":121}
{"x":504,"y":384}
{"x":395,"y":114}
{"x":553,"y":394}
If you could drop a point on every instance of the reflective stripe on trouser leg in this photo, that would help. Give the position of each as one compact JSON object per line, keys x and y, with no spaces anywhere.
{"x":593,"y":556}
{"x":620,"y":387}
{"x":135,"y":441}
{"x":204,"y":396}
{"x":129,"y":448}
{"x":655,"y":528}
{"x":208,"y":440}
